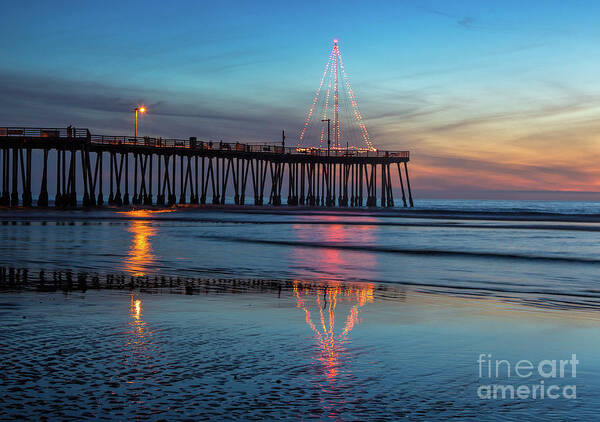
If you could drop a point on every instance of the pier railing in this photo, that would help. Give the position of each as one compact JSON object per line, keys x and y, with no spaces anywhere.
{"x":36,"y":132}
{"x":80,"y":134}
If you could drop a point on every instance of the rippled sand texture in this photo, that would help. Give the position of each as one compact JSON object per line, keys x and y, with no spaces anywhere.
{"x":331,"y":352}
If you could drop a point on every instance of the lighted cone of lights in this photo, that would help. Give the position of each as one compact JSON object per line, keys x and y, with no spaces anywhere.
{"x":319,"y":304}
{"x":339,"y":106}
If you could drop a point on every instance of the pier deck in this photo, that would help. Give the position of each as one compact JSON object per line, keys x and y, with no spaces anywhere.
{"x":192,"y":171}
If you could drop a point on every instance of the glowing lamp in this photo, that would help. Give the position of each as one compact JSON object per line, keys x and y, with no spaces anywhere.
{"x":137,"y":110}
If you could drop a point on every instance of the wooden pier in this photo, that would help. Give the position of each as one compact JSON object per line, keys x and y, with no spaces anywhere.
{"x":159,"y":171}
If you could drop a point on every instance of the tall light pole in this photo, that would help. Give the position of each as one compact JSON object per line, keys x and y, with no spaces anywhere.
{"x":141,"y":110}
{"x":328,"y":134}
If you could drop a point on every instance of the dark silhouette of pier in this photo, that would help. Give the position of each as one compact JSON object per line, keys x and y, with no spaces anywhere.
{"x":163,"y":171}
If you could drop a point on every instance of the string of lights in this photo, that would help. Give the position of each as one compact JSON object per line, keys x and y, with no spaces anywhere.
{"x":336,"y":94}
{"x":358,"y":116}
{"x":310,"y":112}
{"x":339,"y":107}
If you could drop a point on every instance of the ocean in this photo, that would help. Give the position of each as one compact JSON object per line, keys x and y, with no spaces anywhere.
{"x":295,"y":313}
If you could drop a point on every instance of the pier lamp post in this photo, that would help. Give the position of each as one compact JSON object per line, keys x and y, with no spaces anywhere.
{"x":137,"y":110}
{"x":328,"y":134}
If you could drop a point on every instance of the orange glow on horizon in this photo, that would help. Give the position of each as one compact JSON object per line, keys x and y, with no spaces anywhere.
{"x":541,"y":146}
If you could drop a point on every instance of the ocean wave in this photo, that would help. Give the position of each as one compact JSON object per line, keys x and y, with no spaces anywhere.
{"x":458,"y":222}
{"x":407,"y":251}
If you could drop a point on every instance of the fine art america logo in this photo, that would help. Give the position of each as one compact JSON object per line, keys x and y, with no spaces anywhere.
{"x":501,"y":379}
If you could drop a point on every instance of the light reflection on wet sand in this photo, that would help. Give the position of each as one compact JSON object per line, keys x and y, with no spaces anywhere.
{"x":332,"y":262}
{"x":319,"y":304}
{"x":139,"y":342}
{"x":140,"y":254}
{"x":140,"y":257}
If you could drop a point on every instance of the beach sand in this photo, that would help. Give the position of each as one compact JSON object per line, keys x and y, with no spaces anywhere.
{"x":235,"y":316}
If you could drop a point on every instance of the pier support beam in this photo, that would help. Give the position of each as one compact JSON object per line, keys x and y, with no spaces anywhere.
{"x":27,"y":196}
{"x":84,"y":167}
{"x":148,"y":199}
{"x":73,"y":179}
{"x":410,"y":199}
{"x":43,"y":196}
{"x":5,"y":197}
{"x":172,"y":200}
{"x":100,"y":200}
{"x":135,"y":199}
{"x":126,"y":195}
{"x":14,"y":197}
{"x":401,"y":184}
{"x":111,"y":196}
{"x":160,"y":197}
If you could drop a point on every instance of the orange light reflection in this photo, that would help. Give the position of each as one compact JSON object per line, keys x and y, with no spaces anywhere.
{"x":140,"y":256}
{"x":139,"y":344}
{"x":333,"y":262}
{"x":137,"y":324}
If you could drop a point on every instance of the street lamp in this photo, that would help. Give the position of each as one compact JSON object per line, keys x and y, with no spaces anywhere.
{"x":141,"y":110}
{"x":328,"y":134}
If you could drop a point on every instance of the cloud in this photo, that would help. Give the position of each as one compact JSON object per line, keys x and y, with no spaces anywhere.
{"x":467,"y":22}
{"x":91,"y":102}
{"x":532,"y":172}
{"x":454,"y":149}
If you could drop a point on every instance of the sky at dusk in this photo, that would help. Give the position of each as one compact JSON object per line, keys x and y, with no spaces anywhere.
{"x":494,"y":99}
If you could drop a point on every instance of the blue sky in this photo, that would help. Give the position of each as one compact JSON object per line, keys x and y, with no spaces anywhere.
{"x":500,"y":95}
